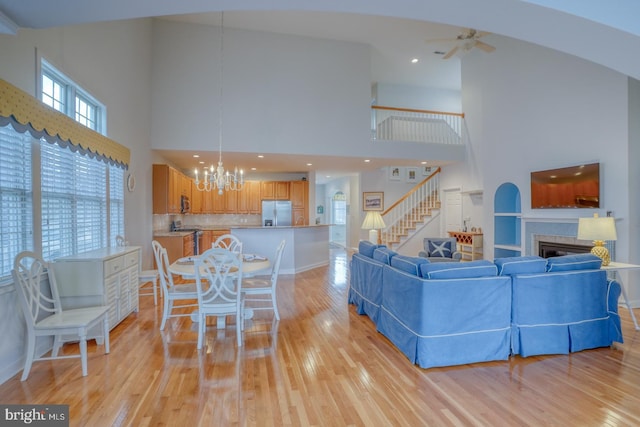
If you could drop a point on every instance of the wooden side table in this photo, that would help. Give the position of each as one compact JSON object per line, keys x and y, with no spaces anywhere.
{"x":469,"y":244}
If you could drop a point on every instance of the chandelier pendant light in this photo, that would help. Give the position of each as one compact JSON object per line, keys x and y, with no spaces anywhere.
{"x":218,"y":179}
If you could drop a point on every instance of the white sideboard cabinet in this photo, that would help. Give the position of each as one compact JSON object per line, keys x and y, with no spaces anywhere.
{"x":107,"y":276}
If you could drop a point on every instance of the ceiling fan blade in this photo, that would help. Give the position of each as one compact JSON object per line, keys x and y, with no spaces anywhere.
{"x":483,"y":46}
{"x":482,"y":34}
{"x":450,"y":53}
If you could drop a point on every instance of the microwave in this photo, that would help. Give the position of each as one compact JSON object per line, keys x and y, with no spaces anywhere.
{"x":185,"y":204}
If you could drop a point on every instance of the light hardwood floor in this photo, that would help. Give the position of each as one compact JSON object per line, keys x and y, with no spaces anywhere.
{"x":323,"y":365}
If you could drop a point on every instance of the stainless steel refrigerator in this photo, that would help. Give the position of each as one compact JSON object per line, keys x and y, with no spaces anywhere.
{"x":276,"y":213}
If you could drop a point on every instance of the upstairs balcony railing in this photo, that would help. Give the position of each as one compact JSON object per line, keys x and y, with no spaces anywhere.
{"x":405,"y":124}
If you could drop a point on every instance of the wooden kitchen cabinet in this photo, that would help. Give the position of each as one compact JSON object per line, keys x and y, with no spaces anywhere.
{"x":169,"y":185}
{"x":249,"y":198}
{"x":299,"y":193}
{"x":177,"y":246}
{"x":210,"y":236}
{"x":274,"y":190}
{"x":166,"y":195}
{"x":196,"y":199}
{"x":106,"y":276}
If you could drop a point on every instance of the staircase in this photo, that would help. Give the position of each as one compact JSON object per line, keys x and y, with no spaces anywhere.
{"x":411,"y":211}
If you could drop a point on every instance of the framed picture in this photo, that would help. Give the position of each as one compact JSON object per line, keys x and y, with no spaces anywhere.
{"x":412,"y":174}
{"x":395,"y":173}
{"x":426,"y":171}
{"x":373,"y":201}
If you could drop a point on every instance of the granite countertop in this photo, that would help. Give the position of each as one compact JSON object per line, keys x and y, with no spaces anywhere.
{"x":171,"y":233}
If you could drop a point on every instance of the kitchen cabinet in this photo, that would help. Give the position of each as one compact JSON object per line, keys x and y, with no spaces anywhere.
{"x":178,"y":245}
{"x":168,"y":186}
{"x":106,"y":276}
{"x":231,"y":201}
{"x":274,"y":190}
{"x":249,"y":198}
{"x":210,"y":236}
{"x":196,"y":199}
{"x":299,"y":193}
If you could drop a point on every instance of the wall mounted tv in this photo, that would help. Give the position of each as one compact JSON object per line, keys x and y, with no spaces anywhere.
{"x":569,"y":187}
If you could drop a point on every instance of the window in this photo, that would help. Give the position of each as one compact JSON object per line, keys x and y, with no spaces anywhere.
{"x":54,"y":199}
{"x":83,"y":108}
{"x":74,"y":202}
{"x":116,"y":203}
{"x":16,"y":197}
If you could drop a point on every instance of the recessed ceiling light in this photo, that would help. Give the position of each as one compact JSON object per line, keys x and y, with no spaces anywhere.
{"x":309,"y":164}
{"x":196,"y":156}
{"x":367,"y":160}
{"x":253,"y":169}
{"x":423,"y":163}
{"x":201,"y":162}
{"x":414,"y":61}
{"x":260,"y":156}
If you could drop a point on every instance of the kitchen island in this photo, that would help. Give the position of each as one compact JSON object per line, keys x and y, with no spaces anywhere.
{"x":307,"y":245}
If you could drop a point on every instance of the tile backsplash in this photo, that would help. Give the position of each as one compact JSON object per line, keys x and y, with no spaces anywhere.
{"x":163,"y":222}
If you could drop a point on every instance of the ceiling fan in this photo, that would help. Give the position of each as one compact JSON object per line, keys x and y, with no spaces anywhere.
{"x":465,"y":41}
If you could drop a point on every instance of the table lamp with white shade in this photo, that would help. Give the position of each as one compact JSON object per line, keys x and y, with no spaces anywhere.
{"x":373,"y":222}
{"x":598,"y":229}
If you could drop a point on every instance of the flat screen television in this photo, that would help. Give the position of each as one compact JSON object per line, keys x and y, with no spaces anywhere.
{"x":568,"y":187}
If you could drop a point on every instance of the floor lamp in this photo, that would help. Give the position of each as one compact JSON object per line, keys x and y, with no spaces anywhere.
{"x":598,"y":229}
{"x":373,"y":222}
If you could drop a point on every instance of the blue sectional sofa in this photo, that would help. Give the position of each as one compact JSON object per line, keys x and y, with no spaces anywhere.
{"x":442,"y":314}
{"x":561,"y":305}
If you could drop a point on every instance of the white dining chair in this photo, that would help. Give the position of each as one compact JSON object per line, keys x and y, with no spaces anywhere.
{"x":229,"y":242}
{"x":262,"y":289}
{"x":172,"y":292}
{"x":218,"y":277}
{"x":37,"y":291}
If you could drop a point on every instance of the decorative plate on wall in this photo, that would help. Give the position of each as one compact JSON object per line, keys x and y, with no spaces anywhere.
{"x":131,"y":182}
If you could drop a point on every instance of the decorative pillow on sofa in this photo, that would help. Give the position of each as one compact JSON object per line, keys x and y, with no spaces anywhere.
{"x":456,"y":270}
{"x":384,"y":255}
{"x":520,"y":265}
{"x":441,"y":248}
{"x":408,"y":263}
{"x":366,"y":248}
{"x":574,"y":262}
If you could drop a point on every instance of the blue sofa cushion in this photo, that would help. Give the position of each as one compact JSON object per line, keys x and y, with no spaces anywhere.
{"x":366,"y":248}
{"x":454,"y":270}
{"x":574,"y":262}
{"x":441,"y":248}
{"x":520,"y":265}
{"x":384,"y":255}
{"x":408,"y":263}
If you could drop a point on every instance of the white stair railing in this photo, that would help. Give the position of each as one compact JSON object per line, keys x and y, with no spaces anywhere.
{"x":404,"y":124}
{"x":411,"y":209}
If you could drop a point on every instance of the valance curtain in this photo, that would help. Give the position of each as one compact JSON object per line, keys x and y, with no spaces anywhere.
{"x":27,"y":113}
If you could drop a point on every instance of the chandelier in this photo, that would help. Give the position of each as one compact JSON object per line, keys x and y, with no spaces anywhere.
{"x":218,"y":178}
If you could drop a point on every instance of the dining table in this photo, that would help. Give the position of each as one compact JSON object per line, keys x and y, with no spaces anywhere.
{"x":252,"y":264}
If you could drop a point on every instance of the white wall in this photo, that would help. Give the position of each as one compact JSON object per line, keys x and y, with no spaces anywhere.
{"x":530,"y":108}
{"x":421,"y":98}
{"x":112,"y":61}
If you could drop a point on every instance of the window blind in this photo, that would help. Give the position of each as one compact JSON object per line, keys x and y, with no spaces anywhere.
{"x":74,"y":202}
{"x":116,"y":203}
{"x":16,"y":196}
